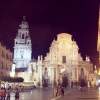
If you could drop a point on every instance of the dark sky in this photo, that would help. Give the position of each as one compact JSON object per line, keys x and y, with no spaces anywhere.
{"x":49,"y":17}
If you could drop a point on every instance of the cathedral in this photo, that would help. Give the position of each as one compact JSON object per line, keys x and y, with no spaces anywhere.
{"x":63,"y":59}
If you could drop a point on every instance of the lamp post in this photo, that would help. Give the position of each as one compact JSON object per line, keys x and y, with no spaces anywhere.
{"x":12,"y":73}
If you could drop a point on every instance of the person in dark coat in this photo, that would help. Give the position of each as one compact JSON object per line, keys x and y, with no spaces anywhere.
{"x":17,"y":95}
{"x":62,"y":90}
{"x":8,"y":94}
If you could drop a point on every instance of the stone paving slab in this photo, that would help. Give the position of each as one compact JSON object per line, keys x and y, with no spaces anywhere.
{"x":91,"y":94}
{"x":67,"y":91}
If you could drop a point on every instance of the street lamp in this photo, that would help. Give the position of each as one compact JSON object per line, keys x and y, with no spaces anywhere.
{"x":12,"y":73}
{"x":98,"y":72}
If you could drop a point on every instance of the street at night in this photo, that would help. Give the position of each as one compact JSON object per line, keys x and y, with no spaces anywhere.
{"x":49,"y":50}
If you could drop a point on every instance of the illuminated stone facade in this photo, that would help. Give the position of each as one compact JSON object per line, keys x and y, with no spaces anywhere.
{"x":22,"y":46}
{"x":5,"y":60}
{"x":64,"y":59}
{"x":22,"y":53}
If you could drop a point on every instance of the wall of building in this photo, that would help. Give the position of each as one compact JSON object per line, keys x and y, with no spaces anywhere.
{"x":5,"y":60}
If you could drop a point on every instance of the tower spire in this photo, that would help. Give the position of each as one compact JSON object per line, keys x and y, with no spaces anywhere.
{"x":24,"y":18}
{"x":24,"y":23}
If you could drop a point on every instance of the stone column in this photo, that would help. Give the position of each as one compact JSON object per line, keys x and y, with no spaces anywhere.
{"x":40,"y":70}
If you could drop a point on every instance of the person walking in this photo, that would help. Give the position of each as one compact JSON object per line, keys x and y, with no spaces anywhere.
{"x":62,"y":90}
{"x":17,"y":95}
{"x":57,"y":90}
{"x":8,"y":94}
{"x":72,"y":84}
{"x":3,"y":97}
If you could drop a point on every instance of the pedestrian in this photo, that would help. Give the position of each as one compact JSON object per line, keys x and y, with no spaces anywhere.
{"x":62,"y":90}
{"x":17,"y":95}
{"x":3,"y":97}
{"x":1,"y":94}
{"x":8,"y":94}
{"x":71,"y":84}
{"x":57,"y":90}
{"x":54,"y":87}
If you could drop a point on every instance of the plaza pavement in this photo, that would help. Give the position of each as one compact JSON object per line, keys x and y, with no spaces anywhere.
{"x":87,"y":94}
{"x":70,"y":94}
{"x":35,"y":94}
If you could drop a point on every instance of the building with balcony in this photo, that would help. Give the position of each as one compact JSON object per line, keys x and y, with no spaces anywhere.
{"x":5,"y":61}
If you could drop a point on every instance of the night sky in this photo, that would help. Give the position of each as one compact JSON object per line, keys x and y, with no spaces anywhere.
{"x":47,"y":18}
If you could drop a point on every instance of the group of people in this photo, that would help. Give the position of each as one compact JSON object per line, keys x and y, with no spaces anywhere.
{"x":5,"y":94}
{"x":60,"y":86}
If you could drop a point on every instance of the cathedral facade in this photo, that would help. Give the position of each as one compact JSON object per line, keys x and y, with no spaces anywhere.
{"x":64,"y":60}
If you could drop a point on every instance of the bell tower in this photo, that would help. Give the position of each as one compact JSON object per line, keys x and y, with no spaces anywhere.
{"x":22,"y":46}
